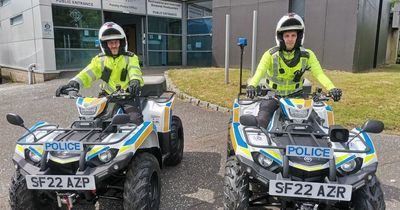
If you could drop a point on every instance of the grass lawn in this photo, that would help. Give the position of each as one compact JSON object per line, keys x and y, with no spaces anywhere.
{"x":369,"y":95}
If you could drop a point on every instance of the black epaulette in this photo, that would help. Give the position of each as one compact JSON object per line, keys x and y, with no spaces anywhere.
{"x":273,"y":50}
{"x":304,"y":54}
{"x":130,"y":54}
{"x":101,"y":54}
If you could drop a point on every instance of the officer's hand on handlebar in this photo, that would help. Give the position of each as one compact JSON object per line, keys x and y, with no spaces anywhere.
{"x":251,"y":91}
{"x":134,"y":87}
{"x":65,"y":89}
{"x":335,"y":93}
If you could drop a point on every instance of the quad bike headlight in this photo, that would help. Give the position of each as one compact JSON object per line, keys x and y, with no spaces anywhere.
{"x":88,"y":110}
{"x":264,"y":161}
{"x":32,"y":156}
{"x":349,"y":166}
{"x":106,"y":156}
{"x":298,"y":113}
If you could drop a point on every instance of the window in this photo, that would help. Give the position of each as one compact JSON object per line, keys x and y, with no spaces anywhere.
{"x":165,"y":25}
{"x":4,"y":2}
{"x":165,"y":41}
{"x":16,"y":20}
{"x":75,"y":36}
{"x":76,"y":17}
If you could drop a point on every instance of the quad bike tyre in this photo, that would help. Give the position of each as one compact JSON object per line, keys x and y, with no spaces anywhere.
{"x":23,"y":199}
{"x":176,"y":142}
{"x":370,"y":196}
{"x":142,"y":187}
{"x":236,"y":186}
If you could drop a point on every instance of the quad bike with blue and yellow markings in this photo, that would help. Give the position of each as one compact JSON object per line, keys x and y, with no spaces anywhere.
{"x":101,"y":155}
{"x":301,"y":160}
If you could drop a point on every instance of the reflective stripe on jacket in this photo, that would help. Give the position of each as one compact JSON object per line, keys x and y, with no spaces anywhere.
{"x":95,"y":69}
{"x":280,"y":76}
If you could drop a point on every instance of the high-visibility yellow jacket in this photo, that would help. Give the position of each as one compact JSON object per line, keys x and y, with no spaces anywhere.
{"x":281,"y":77}
{"x":113,"y":71}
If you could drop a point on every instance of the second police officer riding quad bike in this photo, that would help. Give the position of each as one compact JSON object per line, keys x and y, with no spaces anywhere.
{"x":101,"y":155}
{"x":302,"y":160}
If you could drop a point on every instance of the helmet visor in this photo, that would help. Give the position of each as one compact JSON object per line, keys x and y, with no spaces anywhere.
{"x":111,"y":37}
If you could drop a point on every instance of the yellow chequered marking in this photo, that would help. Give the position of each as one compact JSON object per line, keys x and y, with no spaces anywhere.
{"x":236,"y":115}
{"x":39,"y":149}
{"x":95,"y":149}
{"x":143,"y":136}
{"x":102,"y":106}
{"x":273,"y":154}
{"x":330,"y":118}
{"x":298,"y":101}
{"x":341,"y":159}
{"x":88,"y":100}
{"x":368,"y":158}
{"x":124,"y":149}
{"x":233,"y":139}
{"x":173,"y":103}
{"x":166,"y":119}
{"x":20,"y":148}
{"x":308,"y":168}
{"x":307,"y":103}
{"x":245,"y":151}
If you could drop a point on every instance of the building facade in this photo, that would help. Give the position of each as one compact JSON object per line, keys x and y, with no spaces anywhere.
{"x":345,"y":34}
{"x":62,"y":35}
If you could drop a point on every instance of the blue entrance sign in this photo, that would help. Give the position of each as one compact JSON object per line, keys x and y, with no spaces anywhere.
{"x":303,"y":151}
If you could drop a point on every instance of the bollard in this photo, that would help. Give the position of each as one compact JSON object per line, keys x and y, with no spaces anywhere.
{"x":31,"y":68}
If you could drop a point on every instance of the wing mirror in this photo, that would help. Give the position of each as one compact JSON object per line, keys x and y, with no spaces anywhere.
{"x":373,"y":126}
{"x":248,"y":120}
{"x":15,"y":119}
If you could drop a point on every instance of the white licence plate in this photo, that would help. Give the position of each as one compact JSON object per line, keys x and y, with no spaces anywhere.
{"x":60,"y":182}
{"x":310,"y":190}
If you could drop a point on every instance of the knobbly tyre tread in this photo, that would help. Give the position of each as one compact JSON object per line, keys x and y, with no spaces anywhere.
{"x":20,"y":198}
{"x":236,"y":186}
{"x":177,"y":142}
{"x":370,"y":196}
{"x":137,"y":184}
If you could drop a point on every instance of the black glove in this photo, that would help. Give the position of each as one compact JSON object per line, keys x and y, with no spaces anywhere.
{"x":134,"y":87}
{"x":251,"y":91}
{"x":64,"y":89}
{"x":335,"y":93}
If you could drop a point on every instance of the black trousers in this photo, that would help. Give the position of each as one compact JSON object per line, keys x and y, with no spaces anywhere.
{"x":266,"y":111}
{"x":134,"y":111}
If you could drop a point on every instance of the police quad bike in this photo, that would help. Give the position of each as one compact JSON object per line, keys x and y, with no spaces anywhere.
{"x":101,"y":155}
{"x":302,"y":160}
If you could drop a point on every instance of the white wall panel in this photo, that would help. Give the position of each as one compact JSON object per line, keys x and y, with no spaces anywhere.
{"x":21,"y":54}
{"x":24,"y":31}
{"x":46,"y":59}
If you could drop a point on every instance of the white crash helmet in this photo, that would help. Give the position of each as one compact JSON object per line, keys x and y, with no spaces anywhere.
{"x":290,"y":22}
{"x":112,"y":31}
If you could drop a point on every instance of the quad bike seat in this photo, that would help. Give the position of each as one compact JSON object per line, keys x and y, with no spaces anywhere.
{"x":153,"y":86}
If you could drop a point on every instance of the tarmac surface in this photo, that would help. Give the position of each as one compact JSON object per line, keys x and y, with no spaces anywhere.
{"x":196,"y":183}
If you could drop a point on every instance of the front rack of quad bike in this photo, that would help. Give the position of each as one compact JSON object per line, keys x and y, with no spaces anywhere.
{"x":65,"y":137}
{"x":291,"y":136}
{"x":66,"y":133}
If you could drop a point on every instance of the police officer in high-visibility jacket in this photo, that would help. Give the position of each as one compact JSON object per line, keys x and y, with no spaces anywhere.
{"x":284,"y":65}
{"x":115,"y":66}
